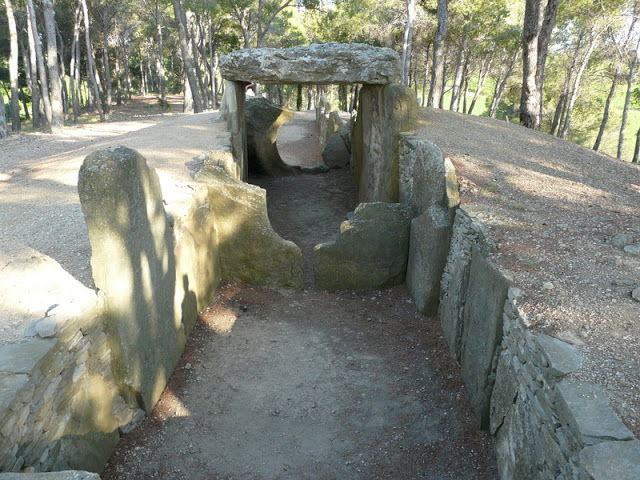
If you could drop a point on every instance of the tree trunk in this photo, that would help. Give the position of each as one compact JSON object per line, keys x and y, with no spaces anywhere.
{"x":36,"y":96}
{"x":107,"y":67}
{"x":607,"y":105}
{"x":187,"y":57}
{"x":548,"y":22}
{"x":91,"y":62}
{"x":127,"y":70}
{"x":57,"y":113}
{"x":501,"y":86}
{"x":74,"y":67}
{"x":118,"y":78}
{"x":195,"y":41}
{"x":627,"y":100}
{"x":482,"y":78}
{"x":42,"y":73}
{"x":530,"y":96}
{"x":26,"y":62}
{"x":4,"y":128}
{"x":299,"y":98}
{"x":636,"y":150}
{"x":187,"y":103}
{"x":160,"y":57}
{"x":459,"y":75}
{"x":63,"y":73}
{"x":576,"y":85}
{"x":437,"y":67}
{"x":407,"y":40}
{"x":13,"y":69}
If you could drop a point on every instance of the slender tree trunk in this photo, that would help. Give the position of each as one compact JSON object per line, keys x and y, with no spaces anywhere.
{"x":187,"y":105}
{"x":636,"y":150}
{"x":187,"y":57}
{"x":502,"y":85}
{"x":160,"y":57}
{"x":91,"y":62}
{"x":4,"y":128}
{"x":57,"y":113}
{"x":607,"y":105}
{"x":437,"y":67}
{"x":26,"y":62}
{"x":407,"y":40}
{"x":63,"y":73}
{"x":127,"y":70}
{"x":627,"y":100}
{"x":107,"y":68}
{"x":13,"y":69}
{"x":482,"y":78}
{"x":548,"y":22}
{"x":36,"y":97}
{"x":118,"y":77}
{"x":72,"y":66}
{"x":457,"y":82}
{"x":42,"y":72}
{"x":195,"y":41}
{"x":576,"y":86}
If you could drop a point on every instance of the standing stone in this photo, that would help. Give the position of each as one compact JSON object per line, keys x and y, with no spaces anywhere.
{"x":370,"y":252}
{"x":232,"y":110}
{"x":384,"y":113}
{"x":133,"y":264}
{"x":328,"y":63}
{"x":336,"y":154}
{"x":482,"y":331}
{"x":264,"y":119}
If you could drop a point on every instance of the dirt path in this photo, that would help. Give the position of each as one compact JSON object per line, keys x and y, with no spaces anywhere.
{"x":307,"y":384}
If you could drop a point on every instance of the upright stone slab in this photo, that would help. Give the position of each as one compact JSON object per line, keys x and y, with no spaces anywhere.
{"x":482,"y":331}
{"x":133,"y":264}
{"x":250,"y":250}
{"x":233,"y":111}
{"x":328,"y":63}
{"x":385,"y":112}
{"x":264,"y":119}
{"x":428,"y":185}
{"x":370,"y":252}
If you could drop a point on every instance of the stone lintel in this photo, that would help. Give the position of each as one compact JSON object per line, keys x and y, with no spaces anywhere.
{"x":317,"y":64}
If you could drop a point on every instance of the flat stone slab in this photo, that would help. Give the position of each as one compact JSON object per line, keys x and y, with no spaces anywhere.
{"x":585,"y":406}
{"x":22,"y":357}
{"x":9,"y":386}
{"x":66,"y":475}
{"x":612,"y":460}
{"x":329,"y":63}
{"x":563,"y":358}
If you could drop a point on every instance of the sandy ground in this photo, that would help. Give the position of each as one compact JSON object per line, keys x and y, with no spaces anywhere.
{"x":273,"y":384}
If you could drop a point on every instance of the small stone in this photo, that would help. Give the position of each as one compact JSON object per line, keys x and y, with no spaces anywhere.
{"x":635,"y":294}
{"x":548,"y":286}
{"x":632,"y":250}
{"x":621,"y":240}
{"x":187,"y":366}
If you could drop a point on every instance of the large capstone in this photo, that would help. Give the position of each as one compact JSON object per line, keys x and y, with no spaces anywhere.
{"x":329,"y":63}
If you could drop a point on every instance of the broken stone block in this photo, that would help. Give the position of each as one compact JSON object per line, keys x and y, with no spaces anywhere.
{"x":370,"y":251}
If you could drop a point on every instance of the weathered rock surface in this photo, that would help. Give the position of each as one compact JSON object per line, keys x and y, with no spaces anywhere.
{"x":232,"y":110}
{"x":370,"y":251}
{"x":249,"y":250}
{"x":562,"y":357}
{"x":335,"y":153}
{"x":264,"y":119}
{"x":65,"y":475}
{"x":612,"y":460}
{"x":384,"y":113}
{"x":585,"y":406}
{"x":329,"y":63}
{"x":482,"y":331}
{"x":133,"y":265}
{"x":428,"y":185}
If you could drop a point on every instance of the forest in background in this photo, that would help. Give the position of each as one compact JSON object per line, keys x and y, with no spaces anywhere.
{"x":566,"y":67}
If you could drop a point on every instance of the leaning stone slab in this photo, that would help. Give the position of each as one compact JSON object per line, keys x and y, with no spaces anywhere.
{"x":64,"y":475}
{"x":585,"y":407}
{"x":612,"y":460}
{"x":370,"y":251}
{"x":329,"y":63}
{"x":335,"y":153}
{"x":563,"y":358}
{"x":133,"y":264}
{"x":482,"y":331}
{"x":249,"y":249}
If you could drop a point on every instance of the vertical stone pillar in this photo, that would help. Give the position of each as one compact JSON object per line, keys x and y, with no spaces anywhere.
{"x":133,"y":263}
{"x":384,"y":113}
{"x":233,"y":111}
